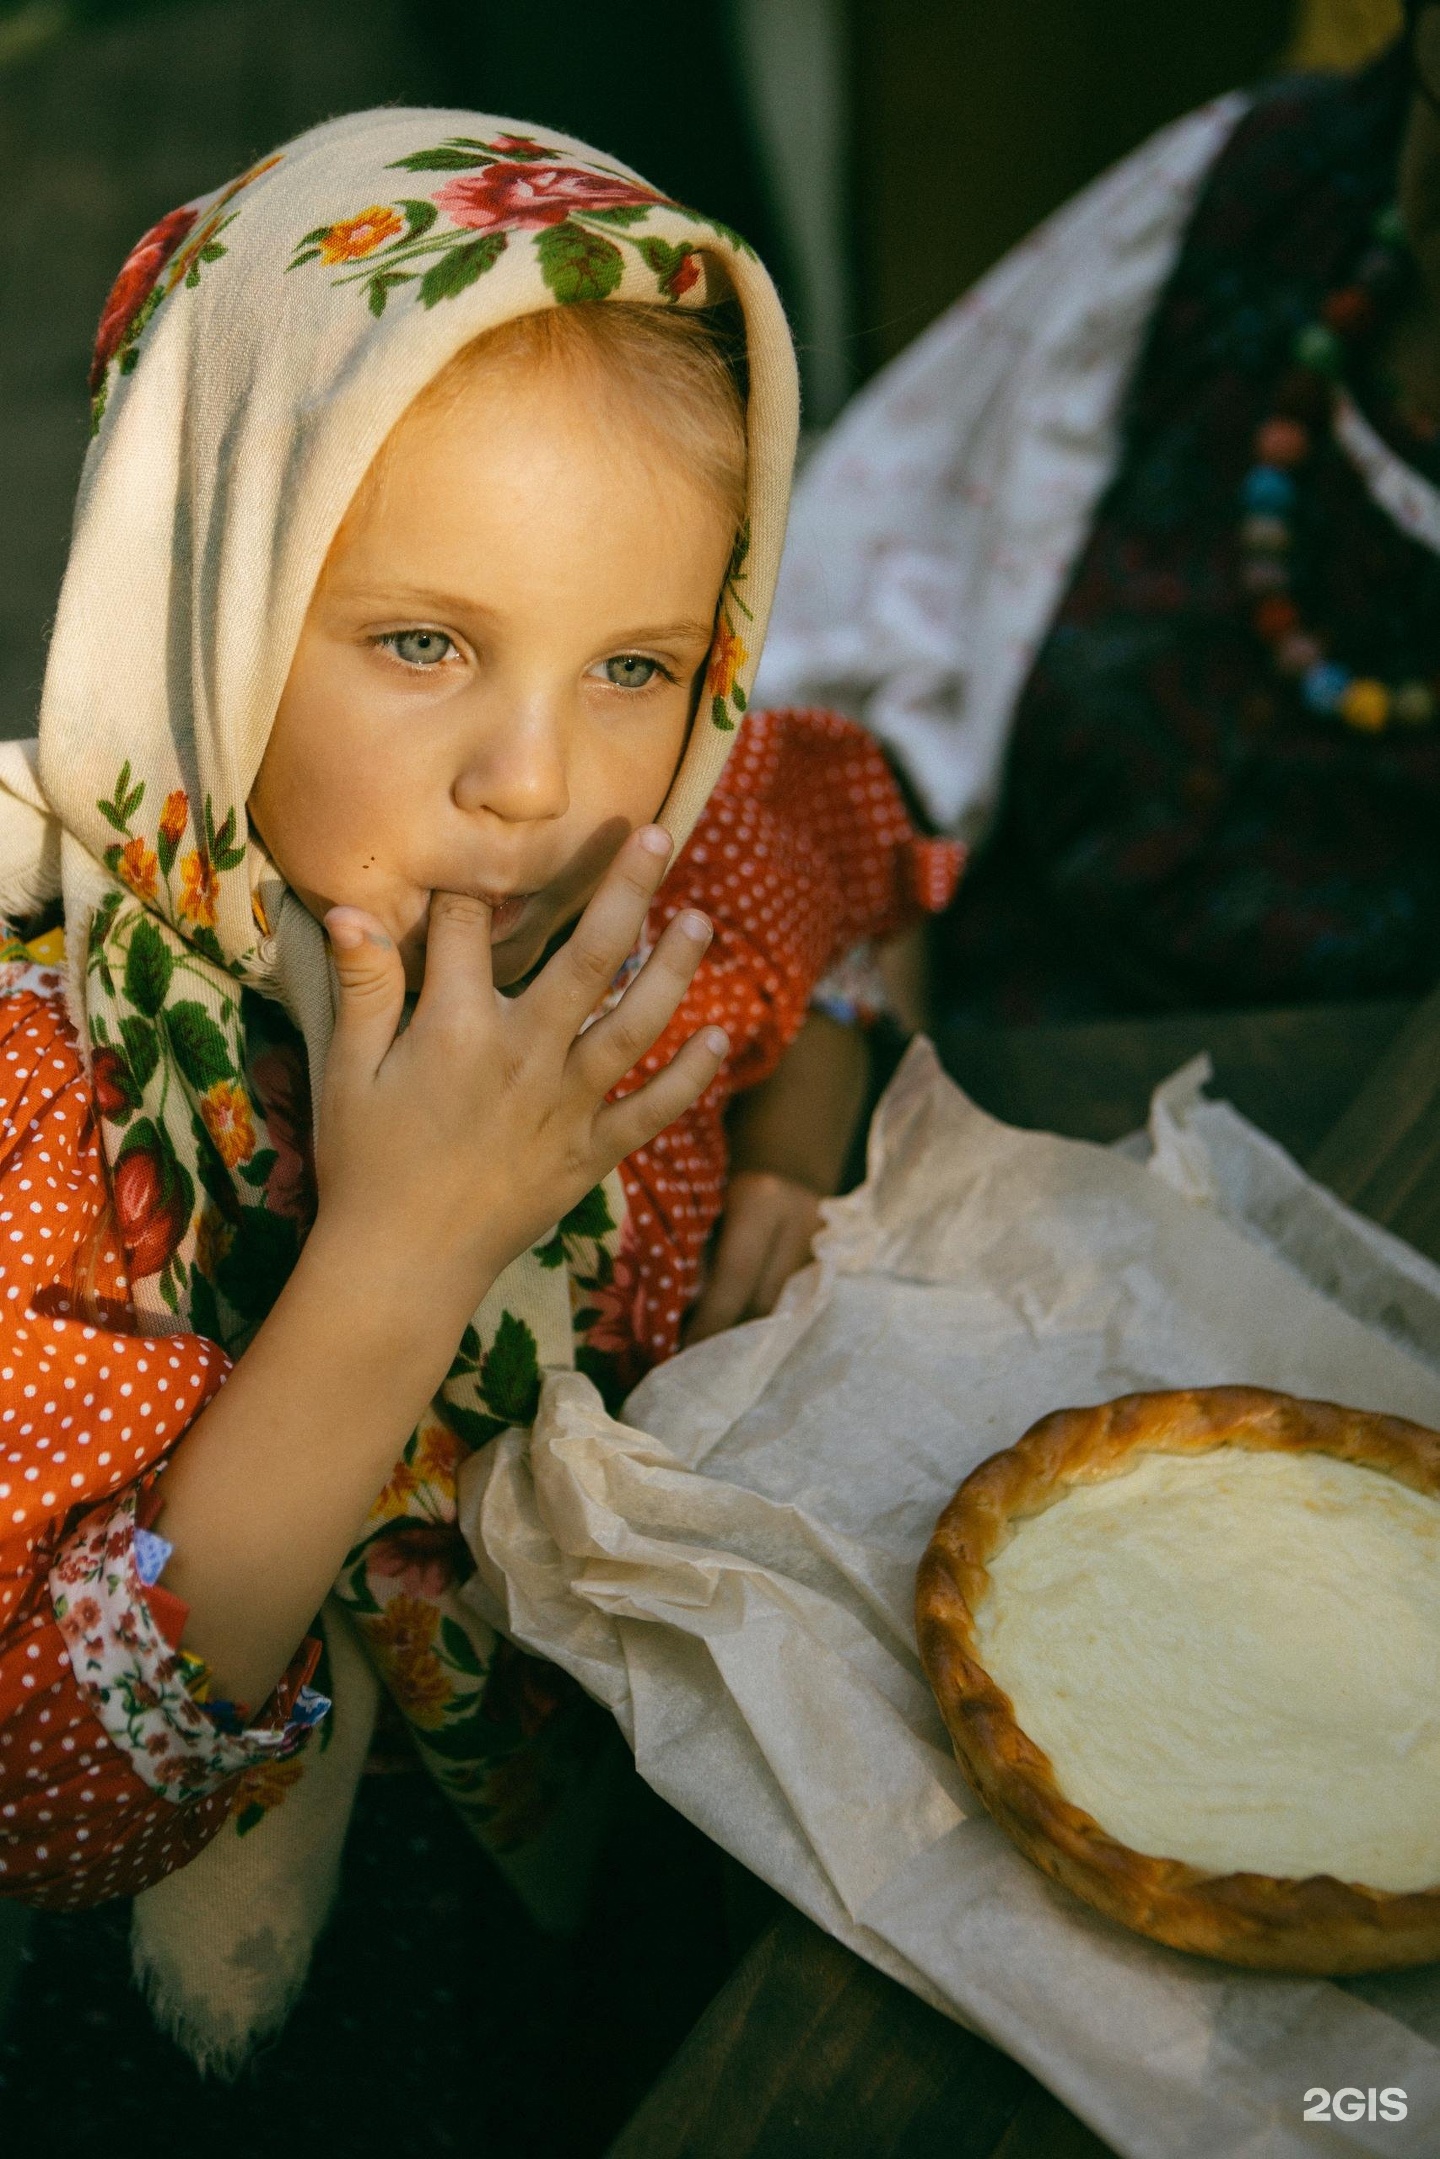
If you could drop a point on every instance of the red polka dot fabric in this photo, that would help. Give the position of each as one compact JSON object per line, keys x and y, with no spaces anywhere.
{"x":804,"y":851}
{"x":86,"y":1412}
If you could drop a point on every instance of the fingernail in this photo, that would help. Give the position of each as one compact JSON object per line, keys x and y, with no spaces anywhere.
{"x":693,"y":924}
{"x":346,"y":931}
{"x":717,"y":1041}
{"x":655,"y":839}
{"x":349,"y":930}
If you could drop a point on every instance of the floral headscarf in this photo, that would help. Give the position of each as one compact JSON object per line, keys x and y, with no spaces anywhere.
{"x":255,"y":352}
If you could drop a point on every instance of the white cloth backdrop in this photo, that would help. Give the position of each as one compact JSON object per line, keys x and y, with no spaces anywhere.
{"x":732,"y":1571}
{"x":932,"y":532}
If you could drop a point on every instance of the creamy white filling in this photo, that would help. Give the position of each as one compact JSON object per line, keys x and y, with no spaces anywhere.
{"x":1234,"y":1659}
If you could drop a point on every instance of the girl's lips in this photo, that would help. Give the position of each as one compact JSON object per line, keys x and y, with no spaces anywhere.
{"x":505,"y":916}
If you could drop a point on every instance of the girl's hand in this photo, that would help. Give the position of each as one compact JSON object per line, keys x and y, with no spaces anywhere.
{"x":788,"y":1141}
{"x":451,"y":1147}
{"x":442,"y":1153}
{"x":764,"y":1238}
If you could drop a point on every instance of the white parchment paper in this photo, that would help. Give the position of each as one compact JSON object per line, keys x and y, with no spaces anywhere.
{"x":732,"y":1572}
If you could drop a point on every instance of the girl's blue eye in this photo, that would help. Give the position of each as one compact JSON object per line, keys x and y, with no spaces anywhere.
{"x":419,"y":648}
{"x":628,"y":671}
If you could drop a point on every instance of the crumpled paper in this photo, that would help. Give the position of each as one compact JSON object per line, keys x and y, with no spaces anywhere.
{"x":731,"y":1572}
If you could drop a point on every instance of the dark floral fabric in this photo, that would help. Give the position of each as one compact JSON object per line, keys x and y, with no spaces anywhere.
{"x":1177,"y":829}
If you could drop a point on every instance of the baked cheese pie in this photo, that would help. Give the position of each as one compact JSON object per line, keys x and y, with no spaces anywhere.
{"x":1187,"y":1646}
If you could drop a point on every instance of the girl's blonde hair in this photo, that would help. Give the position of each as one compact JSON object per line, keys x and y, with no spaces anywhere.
{"x":680,"y":370}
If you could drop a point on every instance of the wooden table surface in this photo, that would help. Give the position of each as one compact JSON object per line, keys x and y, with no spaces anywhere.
{"x":807,"y":2052}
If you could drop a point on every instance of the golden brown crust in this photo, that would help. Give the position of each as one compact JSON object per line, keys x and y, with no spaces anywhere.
{"x":1318,"y":1926}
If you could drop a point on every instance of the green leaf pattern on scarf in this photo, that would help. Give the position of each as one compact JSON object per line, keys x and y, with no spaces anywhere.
{"x":153,"y":271}
{"x":579,"y":265}
{"x":205,"y":1154}
{"x":574,"y":212}
{"x":724,"y":692}
{"x":399,"y":1581}
{"x":209,"y":1163}
{"x":578,"y":216}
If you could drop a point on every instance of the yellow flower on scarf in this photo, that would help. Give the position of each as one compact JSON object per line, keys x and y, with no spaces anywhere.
{"x":728,"y":655}
{"x":199,"y":889}
{"x":404,"y":1638}
{"x":173,"y":817}
{"x":361,"y":234}
{"x":262,"y":1788}
{"x":226,"y":1111}
{"x":214,"y":1240}
{"x":427,"y":1467}
{"x":140,"y":868}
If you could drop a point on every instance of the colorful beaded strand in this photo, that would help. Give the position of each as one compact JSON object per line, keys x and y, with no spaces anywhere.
{"x":1284,"y":443}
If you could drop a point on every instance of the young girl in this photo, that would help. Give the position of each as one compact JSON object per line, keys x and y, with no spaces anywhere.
{"x":421,"y":563}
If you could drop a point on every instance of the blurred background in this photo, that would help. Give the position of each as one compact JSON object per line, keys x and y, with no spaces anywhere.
{"x":880,"y":153}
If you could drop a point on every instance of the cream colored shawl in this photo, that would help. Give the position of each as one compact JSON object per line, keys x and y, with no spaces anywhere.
{"x":257,"y":349}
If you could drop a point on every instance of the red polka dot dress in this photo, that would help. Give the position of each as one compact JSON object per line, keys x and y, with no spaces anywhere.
{"x":804,"y":858}
{"x":113,"y":1771}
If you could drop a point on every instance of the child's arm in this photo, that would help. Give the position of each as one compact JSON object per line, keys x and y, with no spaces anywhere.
{"x":789,"y":1140}
{"x":442,"y":1153}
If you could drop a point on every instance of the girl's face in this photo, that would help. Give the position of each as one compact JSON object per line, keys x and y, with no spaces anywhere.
{"x":495,"y":678}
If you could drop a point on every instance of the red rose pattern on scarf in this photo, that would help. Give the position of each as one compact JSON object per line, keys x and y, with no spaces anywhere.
{"x":578,"y":215}
{"x":577,"y":211}
{"x":212,"y":1205}
{"x":151,"y":272}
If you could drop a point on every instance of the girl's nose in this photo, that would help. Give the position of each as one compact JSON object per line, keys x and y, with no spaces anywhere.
{"x":518,"y":771}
